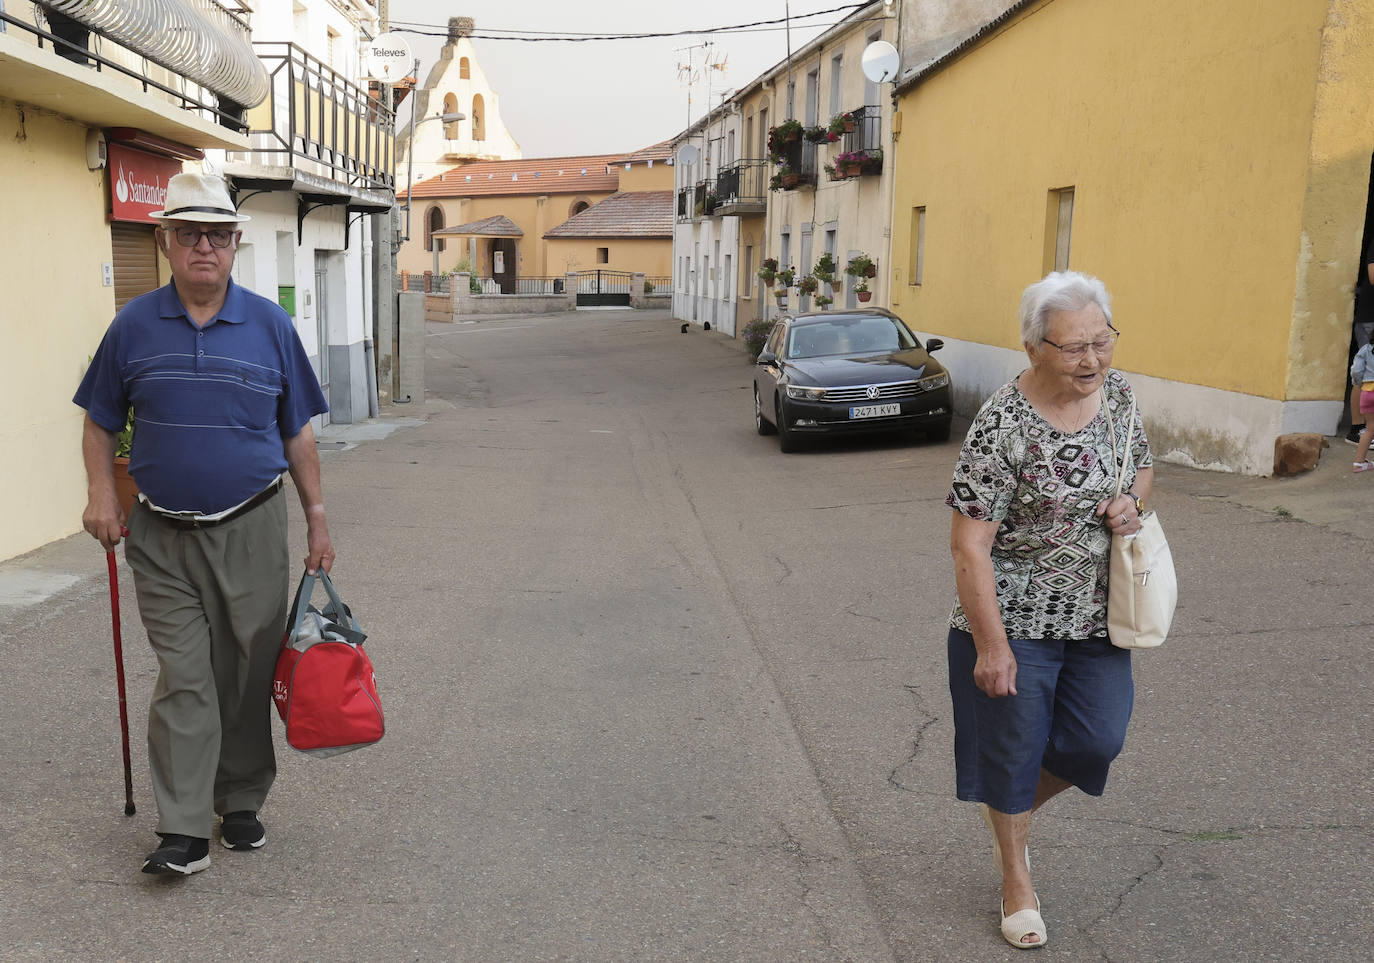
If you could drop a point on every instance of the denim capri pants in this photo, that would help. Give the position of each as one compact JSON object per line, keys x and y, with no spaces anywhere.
{"x":1069,"y":716}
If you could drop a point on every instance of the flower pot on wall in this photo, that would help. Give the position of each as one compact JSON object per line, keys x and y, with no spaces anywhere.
{"x":790,"y":181}
{"x":863,"y":295}
{"x":126,"y":489}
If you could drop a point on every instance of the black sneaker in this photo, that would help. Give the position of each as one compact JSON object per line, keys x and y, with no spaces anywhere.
{"x":242,"y":831}
{"x":1353,"y":435}
{"x":179,"y":854}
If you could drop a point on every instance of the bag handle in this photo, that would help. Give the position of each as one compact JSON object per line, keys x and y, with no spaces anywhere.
{"x":336,"y":606}
{"x":1119,"y":461}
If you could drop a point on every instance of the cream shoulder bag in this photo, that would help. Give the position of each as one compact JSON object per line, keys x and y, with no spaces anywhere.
{"x":1142,"y":588}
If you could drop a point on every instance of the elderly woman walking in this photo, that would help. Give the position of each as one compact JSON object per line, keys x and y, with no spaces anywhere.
{"x":1041,"y":697}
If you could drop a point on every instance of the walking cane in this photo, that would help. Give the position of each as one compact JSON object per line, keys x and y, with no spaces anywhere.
{"x":119,"y":677}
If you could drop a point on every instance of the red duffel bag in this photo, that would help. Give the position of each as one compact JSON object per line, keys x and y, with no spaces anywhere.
{"x":325,"y":689}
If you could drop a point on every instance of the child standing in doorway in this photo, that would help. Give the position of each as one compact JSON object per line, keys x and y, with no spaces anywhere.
{"x":1362,"y":374}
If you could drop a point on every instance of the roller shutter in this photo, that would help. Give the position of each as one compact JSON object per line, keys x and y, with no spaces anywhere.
{"x":135,"y":261}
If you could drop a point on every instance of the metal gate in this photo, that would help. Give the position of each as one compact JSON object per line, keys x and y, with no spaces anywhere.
{"x":603,"y":288}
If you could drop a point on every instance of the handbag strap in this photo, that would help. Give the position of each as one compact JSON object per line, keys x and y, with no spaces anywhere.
{"x":1119,"y":459}
{"x":343,"y":620}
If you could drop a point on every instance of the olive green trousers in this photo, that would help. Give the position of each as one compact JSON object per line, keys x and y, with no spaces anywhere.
{"x":213,"y":602}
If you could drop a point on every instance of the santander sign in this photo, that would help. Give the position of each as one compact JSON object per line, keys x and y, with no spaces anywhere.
{"x":138,"y":183}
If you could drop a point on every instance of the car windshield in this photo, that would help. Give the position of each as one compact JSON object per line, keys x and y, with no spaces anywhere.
{"x":845,"y":336}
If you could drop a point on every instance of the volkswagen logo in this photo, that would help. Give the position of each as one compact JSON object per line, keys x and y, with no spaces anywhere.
{"x":872,"y":391}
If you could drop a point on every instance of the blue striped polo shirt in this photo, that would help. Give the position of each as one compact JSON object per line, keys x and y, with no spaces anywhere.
{"x":211,"y":405}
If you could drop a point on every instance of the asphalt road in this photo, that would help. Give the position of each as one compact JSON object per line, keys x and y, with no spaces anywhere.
{"x":656,"y":691}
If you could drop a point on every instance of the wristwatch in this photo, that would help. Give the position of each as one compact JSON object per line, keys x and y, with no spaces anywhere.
{"x":1139,"y":503}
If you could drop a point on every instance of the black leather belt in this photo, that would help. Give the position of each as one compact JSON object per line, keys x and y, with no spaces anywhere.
{"x":189,"y":522}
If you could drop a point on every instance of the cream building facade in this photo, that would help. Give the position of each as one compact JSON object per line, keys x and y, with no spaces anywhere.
{"x":319,"y":169}
{"x":734,"y":210}
{"x":454,"y":85}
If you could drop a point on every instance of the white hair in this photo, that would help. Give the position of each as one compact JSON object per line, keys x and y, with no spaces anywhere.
{"x":1059,"y":291}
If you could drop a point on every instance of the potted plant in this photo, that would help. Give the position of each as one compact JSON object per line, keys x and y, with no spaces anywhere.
{"x":125,"y":487}
{"x":781,"y":294}
{"x":756,"y":334}
{"x":849,"y":163}
{"x":790,"y":177}
{"x":780,"y":136}
{"x":768,"y":272}
{"x":815,"y":134}
{"x":775,"y":182}
{"x":831,"y":173}
{"x":824,"y":301}
{"x":786,"y":276}
{"x":861,"y":291}
{"x":807,"y":284}
{"x":861,"y":265}
{"x":840,"y":124}
{"x":871,"y":161}
{"x":825,"y":268}
{"x":648,"y":286}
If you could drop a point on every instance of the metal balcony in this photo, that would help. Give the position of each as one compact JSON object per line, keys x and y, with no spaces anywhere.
{"x":320,"y":124}
{"x":742,"y":188}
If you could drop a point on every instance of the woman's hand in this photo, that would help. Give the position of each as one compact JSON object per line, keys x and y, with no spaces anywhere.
{"x":1119,"y":515}
{"x":995,"y":670}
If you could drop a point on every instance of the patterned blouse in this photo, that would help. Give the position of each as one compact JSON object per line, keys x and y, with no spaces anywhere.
{"x":1050,"y":553}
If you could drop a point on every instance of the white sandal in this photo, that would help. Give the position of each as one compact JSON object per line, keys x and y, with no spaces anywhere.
{"x":1023,"y":923}
{"x":986,"y":810}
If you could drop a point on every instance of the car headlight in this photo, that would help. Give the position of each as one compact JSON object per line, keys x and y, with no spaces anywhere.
{"x":803,"y":393}
{"x":934,"y":381}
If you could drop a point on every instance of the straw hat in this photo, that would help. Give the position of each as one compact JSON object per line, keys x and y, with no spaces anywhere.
{"x":202,"y":198}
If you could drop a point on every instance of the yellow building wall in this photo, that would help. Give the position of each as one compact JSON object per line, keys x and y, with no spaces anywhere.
{"x":1204,"y":192}
{"x":750,"y":305}
{"x":651,"y":256}
{"x":55,"y":312}
{"x":534,"y":214}
{"x":642,"y":177}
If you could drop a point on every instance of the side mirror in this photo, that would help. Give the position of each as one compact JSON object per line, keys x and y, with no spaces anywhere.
{"x":767,"y":357}
{"x":933,"y":344}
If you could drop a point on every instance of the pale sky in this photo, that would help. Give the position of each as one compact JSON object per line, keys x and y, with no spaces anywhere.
{"x":597,"y":97}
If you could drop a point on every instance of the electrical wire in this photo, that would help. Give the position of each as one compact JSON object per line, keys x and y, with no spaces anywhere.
{"x":539,"y":36}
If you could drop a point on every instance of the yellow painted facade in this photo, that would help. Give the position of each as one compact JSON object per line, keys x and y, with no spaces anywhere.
{"x":54,"y":321}
{"x":533,"y":214}
{"x":651,"y":256}
{"x":1219,"y":163}
{"x":639,"y":176}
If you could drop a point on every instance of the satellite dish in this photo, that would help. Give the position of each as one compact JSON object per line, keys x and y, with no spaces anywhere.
{"x":688,"y":155}
{"x":387,"y":58}
{"x":881,"y":62}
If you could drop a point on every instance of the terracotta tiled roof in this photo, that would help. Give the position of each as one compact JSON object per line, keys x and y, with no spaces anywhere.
{"x":657,"y":153}
{"x":542,"y":175}
{"x":624,"y":214}
{"x":496,"y":226}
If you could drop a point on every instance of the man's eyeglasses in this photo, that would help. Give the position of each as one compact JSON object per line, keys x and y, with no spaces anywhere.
{"x":1076,"y":351}
{"x":190,"y":236}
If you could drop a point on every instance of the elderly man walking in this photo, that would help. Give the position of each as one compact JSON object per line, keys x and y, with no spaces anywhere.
{"x":223,"y":394}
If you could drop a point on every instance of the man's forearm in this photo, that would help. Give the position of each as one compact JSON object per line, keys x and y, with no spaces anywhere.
{"x":97,"y":451}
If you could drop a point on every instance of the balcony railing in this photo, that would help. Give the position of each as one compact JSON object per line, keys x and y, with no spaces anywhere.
{"x":742,"y":188}
{"x":318,"y":121}
{"x":799,"y":165}
{"x":684,"y":204}
{"x":867,"y":136}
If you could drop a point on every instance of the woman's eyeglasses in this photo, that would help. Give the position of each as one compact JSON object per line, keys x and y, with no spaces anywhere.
{"x":1076,"y":351}
{"x":190,"y":236}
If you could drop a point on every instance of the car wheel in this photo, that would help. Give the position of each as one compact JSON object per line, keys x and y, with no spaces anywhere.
{"x":761,"y":424}
{"x":938,"y":433}
{"x":787,"y":439}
